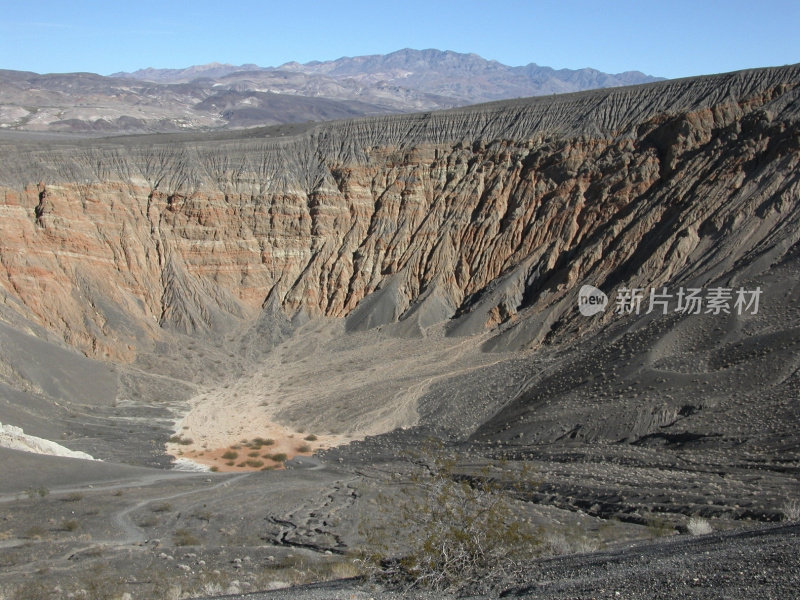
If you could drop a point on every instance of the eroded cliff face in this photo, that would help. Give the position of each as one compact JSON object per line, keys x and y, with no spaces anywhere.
{"x":480,"y":214}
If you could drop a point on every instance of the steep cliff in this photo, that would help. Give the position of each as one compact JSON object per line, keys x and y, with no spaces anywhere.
{"x":478,"y":213}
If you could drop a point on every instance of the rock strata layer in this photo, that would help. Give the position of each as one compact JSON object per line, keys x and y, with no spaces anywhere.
{"x":479,"y":215}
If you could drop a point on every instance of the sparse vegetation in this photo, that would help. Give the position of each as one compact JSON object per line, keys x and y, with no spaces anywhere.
{"x":184,"y":537}
{"x":310,"y":438}
{"x":464,"y":533}
{"x":35,"y":531}
{"x":254,"y":463}
{"x":73,"y":497}
{"x":279,"y":457}
{"x":147,"y":521}
{"x":34,"y":492}
{"x":177,"y":439}
{"x":230,"y":455}
{"x":70,"y":525}
{"x":791,"y":510}
{"x":305,"y":448}
{"x":659,"y":527}
{"x":161,"y":507}
{"x":699,"y":526}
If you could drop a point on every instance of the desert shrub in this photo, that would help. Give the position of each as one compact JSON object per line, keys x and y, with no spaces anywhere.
{"x":147,"y":521}
{"x":70,"y":525}
{"x":791,"y":510}
{"x":33,"y":492}
{"x":253,"y":454}
{"x":184,"y":537}
{"x":177,"y":439}
{"x":659,"y":527}
{"x":35,"y":531}
{"x":560,"y":542}
{"x":230,"y":455}
{"x":311,"y":438}
{"x":279,"y":457}
{"x":266,"y":442}
{"x":161,"y":507}
{"x":304,"y":448}
{"x":34,"y":590}
{"x":73,"y":497}
{"x":699,"y":526}
{"x":214,"y":468}
{"x":255,"y":463}
{"x":463,"y":534}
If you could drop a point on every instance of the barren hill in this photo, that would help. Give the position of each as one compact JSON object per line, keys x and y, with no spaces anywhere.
{"x":214,"y":96}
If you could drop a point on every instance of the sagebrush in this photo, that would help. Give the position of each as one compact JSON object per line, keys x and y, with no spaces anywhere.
{"x":463,"y":533}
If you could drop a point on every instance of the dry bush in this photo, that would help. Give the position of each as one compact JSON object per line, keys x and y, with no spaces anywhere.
{"x":73,"y":497}
{"x":161,"y":507}
{"x":463,"y":535}
{"x":699,"y":526}
{"x":791,"y":510}
{"x":184,"y":537}
{"x":70,"y":525}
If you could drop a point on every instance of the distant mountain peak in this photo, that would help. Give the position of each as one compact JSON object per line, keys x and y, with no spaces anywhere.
{"x":221,"y":95}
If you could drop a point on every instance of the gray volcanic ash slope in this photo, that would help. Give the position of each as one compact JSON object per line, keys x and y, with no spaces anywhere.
{"x":390,"y":279}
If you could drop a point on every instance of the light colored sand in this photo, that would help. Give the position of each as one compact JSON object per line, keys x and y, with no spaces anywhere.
{"x":338,"y":386}
{"x":16,"y":439}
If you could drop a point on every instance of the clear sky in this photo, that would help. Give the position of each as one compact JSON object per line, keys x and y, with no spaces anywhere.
{"x":669,"y":39}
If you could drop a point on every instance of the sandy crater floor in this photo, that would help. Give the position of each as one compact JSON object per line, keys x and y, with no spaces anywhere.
{"x":319,"y":389}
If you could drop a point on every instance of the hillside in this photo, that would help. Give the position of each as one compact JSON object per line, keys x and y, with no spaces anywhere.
{"x":358,"y":287}
{"x":215,"y":96}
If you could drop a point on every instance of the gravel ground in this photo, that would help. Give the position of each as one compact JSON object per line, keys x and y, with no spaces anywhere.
{"x":759,"y":563}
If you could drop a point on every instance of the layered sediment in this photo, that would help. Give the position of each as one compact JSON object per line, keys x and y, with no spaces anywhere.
{"x":478,"y":213}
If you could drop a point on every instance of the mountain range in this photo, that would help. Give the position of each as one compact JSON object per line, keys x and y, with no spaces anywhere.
{"x":221,"y":96}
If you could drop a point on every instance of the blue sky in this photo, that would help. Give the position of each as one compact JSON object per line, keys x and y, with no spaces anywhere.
{"x":670,"y":39}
